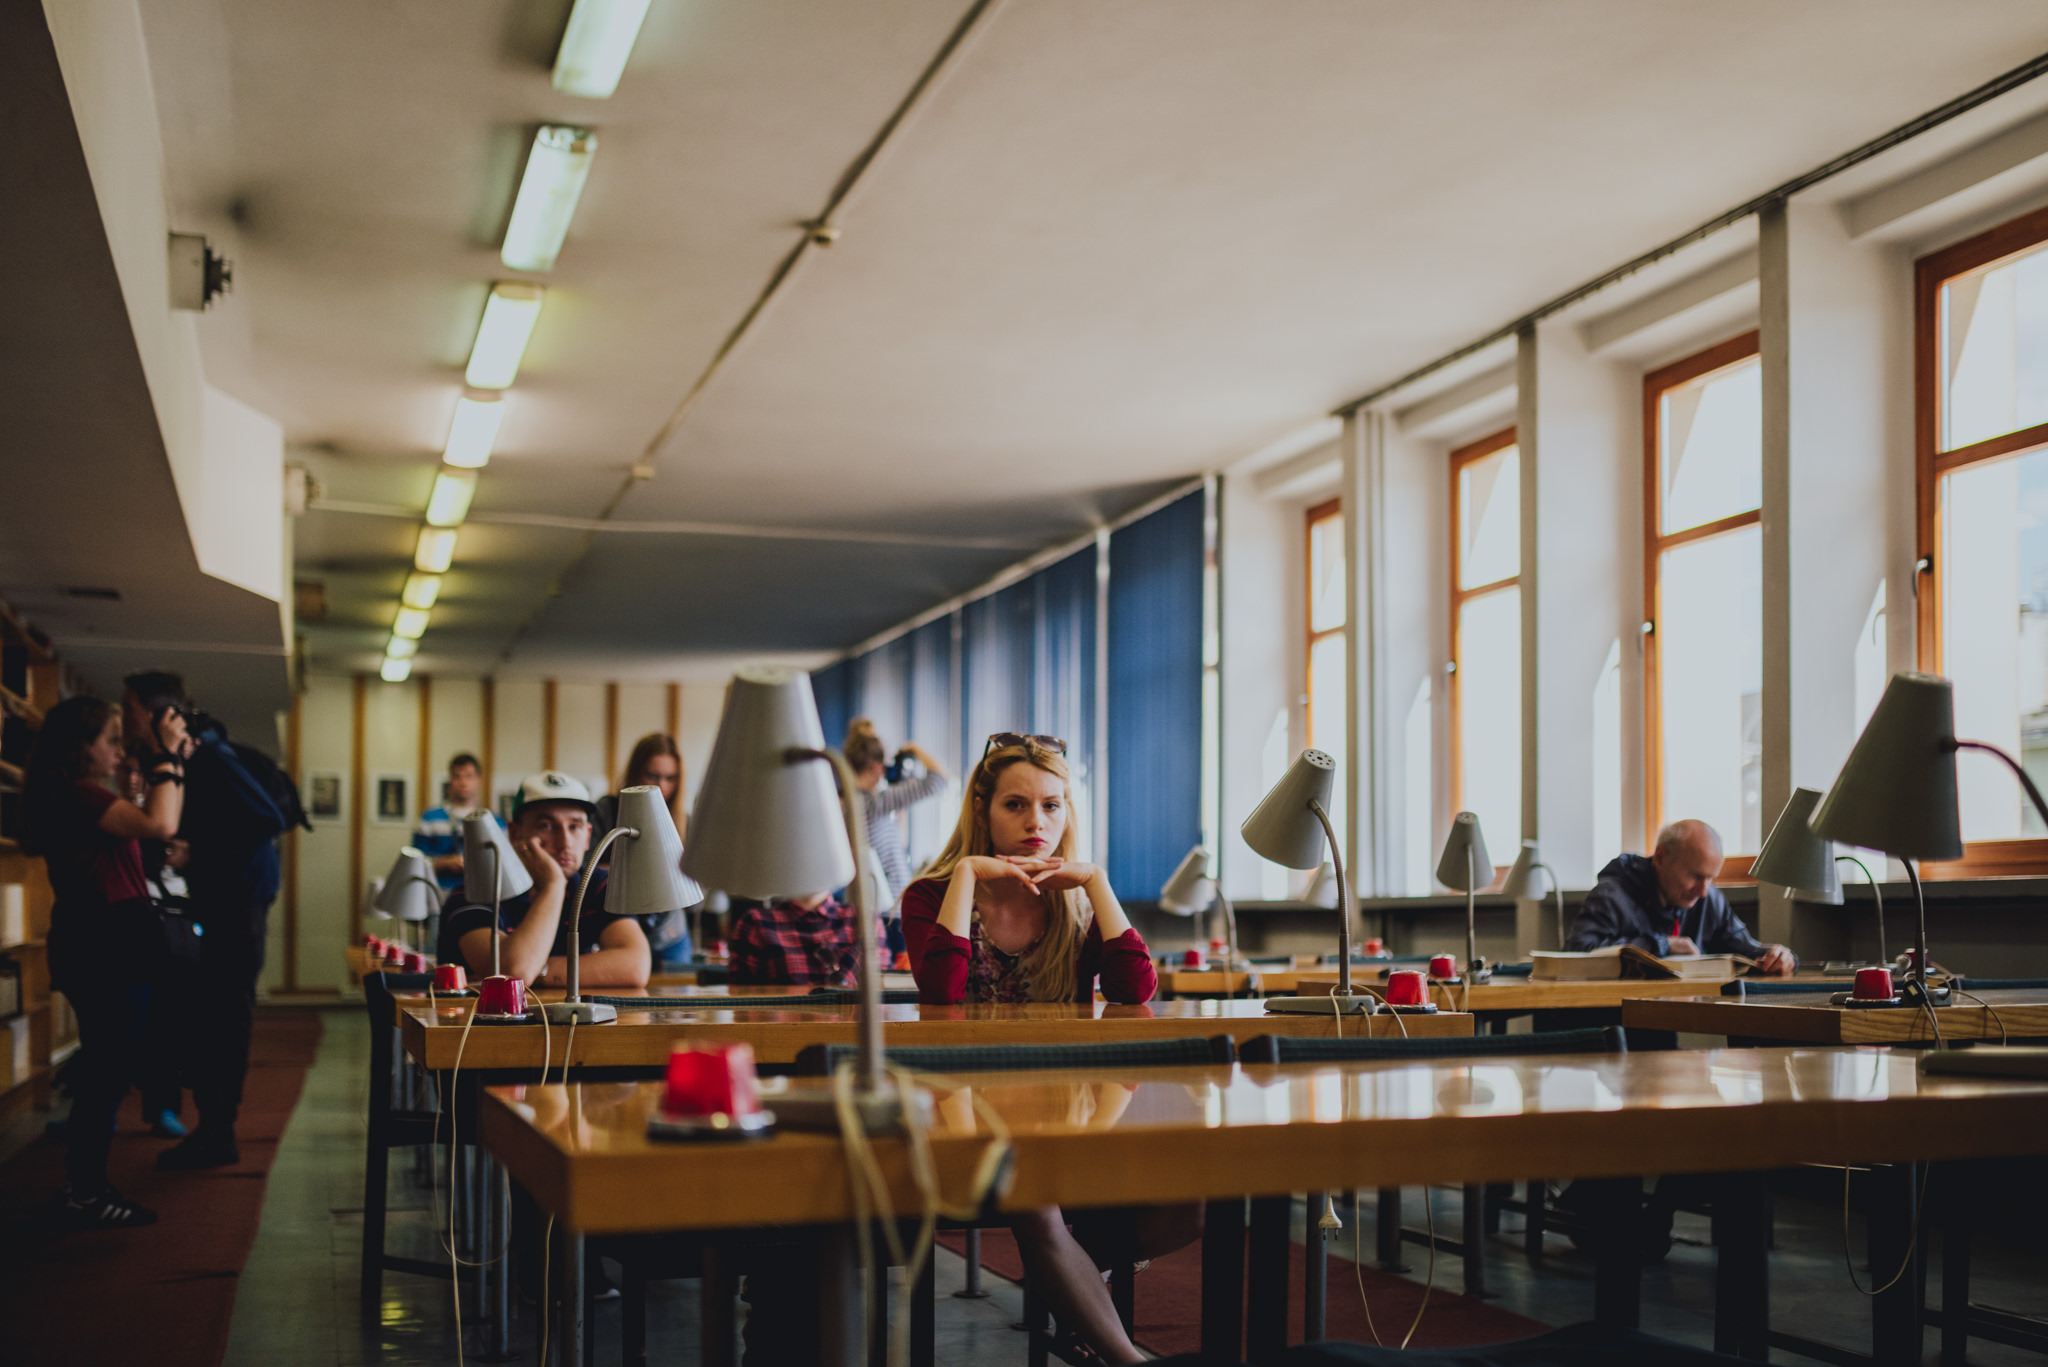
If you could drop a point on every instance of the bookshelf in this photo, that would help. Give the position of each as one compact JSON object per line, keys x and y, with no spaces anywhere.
{"x":37,"y":1029}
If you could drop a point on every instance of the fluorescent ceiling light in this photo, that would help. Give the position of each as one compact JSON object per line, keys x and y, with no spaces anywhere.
{"x":509,"y":316}
{"x":436,"y":550}
{"x":420,"y":590}
{"x":410,"y":623}
{"x":449,"y":503}
{"x":472,"y":433}
{"x":555,"y":171}
{"x":395,"y":671}
{"x":400,"y":648}
{"x":595,"y":46}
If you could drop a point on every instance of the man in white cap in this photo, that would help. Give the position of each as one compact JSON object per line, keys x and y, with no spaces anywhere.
{"x":550,"y":832}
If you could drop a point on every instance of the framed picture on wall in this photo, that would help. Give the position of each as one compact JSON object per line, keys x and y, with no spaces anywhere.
{"x":323,"y":796}
{"x":393,"y":800}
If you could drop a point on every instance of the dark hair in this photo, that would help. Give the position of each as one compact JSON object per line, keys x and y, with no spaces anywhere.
{"x":464,"y":758}
{"x":652,"y":746}
{"x":155,"y":688}
{"x":863,"y":746}
{"x":55,"y":763}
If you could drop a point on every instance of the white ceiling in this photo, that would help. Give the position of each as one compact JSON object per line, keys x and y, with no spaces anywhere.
{"x":1118,"y":245}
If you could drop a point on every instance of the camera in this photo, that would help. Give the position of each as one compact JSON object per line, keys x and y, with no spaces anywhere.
{"x":903,"y":766}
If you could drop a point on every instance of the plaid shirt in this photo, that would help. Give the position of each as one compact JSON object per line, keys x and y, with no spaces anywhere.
{"x":776,"y":943}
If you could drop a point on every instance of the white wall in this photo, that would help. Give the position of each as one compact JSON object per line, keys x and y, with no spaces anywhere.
{"x":1261,"y":551}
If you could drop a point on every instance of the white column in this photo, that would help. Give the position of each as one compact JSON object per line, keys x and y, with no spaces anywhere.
{"x":1837,"y":500}
{"x":1368,"y":766}
{"x":1582,"y":581}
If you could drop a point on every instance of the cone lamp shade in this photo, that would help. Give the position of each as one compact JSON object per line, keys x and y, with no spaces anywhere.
{"x":1897,"y":790}
{"x":1521,"y":879}
{"x":1322,"y":889}
{"x":1189,"y":892}
{"x":491,"y":870}
{"x":1283,"y":827}
{"x":410,"y":892}
{"x":764,"y":826}
{"x":647,"y":878}
{"x":1291,"y":827}
{"x":1465,"y":865}
{"x":1793,"y":857}
{"x":371,"y":894}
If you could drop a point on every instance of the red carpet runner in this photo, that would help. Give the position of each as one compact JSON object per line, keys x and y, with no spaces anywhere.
{"x":161,"y":1295}
{"x":1169,"y":1302}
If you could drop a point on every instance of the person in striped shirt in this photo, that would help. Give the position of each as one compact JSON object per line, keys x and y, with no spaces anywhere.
{"x":439,"y":836}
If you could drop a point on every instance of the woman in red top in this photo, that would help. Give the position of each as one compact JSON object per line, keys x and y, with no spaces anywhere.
{"x":1007,"y":914}
{"x":102,"y":923}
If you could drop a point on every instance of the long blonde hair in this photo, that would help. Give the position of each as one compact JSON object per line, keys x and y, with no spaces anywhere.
{"x":1052,"y":964}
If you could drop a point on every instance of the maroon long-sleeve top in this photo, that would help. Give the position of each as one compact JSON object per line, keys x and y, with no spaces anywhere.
{"x":939,"y":959}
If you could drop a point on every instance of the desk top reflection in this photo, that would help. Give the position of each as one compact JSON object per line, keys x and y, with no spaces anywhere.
{"x":1117,"y":1136}
{"x":435,"y":1034}
{"x":1814,"y":1019}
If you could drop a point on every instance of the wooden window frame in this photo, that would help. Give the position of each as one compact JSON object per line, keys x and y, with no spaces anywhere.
{"x":1981,"y":858}
{"x":1321,"y":512}
{"x":1656,"y":384}
{"x":1453,"y":687}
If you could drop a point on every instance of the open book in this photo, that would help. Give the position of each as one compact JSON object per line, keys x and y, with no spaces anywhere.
{"x":1626,"y":961}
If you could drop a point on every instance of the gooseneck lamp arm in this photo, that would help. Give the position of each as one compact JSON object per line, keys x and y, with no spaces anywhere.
{"x":2018,"y":772}
{"x":1471,"y":912}
{"x":870,"y":1066}
{"x":1877,"y":893}
{"x":1343,"y":901}
{"x":497,"y":888}
{"x":1229,"y":928}
{"x":573,"y":949}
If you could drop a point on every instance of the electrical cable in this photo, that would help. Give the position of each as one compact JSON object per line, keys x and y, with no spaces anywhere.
{"x":1997,"y":1019}
{"x":1912,"y":1234}
{"x":1358,"y":1237}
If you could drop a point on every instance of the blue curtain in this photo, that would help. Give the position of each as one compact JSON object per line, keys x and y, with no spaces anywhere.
{"x":996,"y":649}
{"x":1063,"y":673}
{"x":934,"y":724}
{"x":833,"y":686}
{"x":884,"y":691}
{"x":1155,"y":696}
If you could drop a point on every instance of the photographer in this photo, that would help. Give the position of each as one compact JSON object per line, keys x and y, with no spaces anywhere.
{"x":232,"y":819}
{"x":104,"y":937}
{"x":881,"y":801}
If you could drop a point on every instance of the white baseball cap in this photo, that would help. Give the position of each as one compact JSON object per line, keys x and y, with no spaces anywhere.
{"x":552,"y":785}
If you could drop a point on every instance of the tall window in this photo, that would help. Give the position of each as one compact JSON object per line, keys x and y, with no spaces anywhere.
{"x":1327,"y":714}
{"x":1703,"y":565}
{"x":1486,"y":636}
{"x":1981,"y":321}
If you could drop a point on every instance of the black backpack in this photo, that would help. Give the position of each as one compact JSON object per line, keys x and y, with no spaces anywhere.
{"x":276,"y":782}
{"x":262,"y":771}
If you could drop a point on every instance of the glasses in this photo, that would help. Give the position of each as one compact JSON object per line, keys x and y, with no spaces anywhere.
{"x":1049,"y":743}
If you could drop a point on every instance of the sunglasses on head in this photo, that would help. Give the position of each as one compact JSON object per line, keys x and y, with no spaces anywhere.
{"x":1052,"y":744}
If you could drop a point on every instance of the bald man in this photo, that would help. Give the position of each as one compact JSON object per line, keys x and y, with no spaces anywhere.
{"x":1668,"y":903}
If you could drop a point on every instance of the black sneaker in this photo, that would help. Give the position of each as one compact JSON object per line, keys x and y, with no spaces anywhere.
{"x":200,"y":1150}
{"x":108,"y":1210}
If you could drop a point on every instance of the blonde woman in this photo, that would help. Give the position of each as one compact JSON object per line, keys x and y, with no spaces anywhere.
{"x":1007,"y":914}
{"x":656,"y":762}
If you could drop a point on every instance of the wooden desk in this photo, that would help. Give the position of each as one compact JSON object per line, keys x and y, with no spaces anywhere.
{"x":1210,"y":982}
{"x":1114,"y":1137}
{"x":1520,"y":994}
{"x":643,"y":1039}
{"x":1160,"y":1135}
{"x":1814,"y":1020}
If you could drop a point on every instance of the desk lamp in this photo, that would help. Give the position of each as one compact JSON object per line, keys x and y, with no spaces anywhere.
{"x":1466,"y":868}
{"x":1520,"y":884}
{"x":776,"y":816}
{"x":1322,"y":888}
{"x":646,"y":880}
{"x":410,"y":892}
{"x":1190,"y":891}
{"x":1802,"y":863}
{"x":491,"y":871}
{"x":1291,"y":827}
